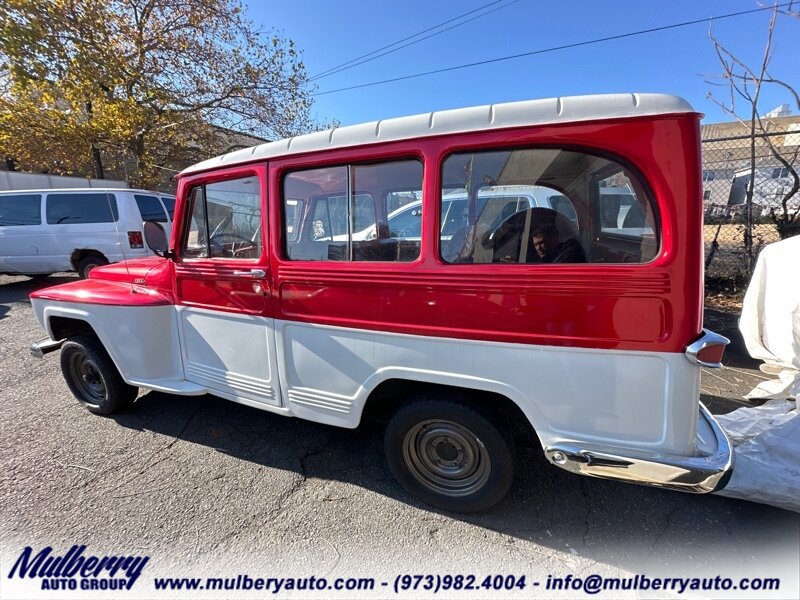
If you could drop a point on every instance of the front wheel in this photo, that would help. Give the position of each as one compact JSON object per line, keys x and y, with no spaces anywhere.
{"x":92,"y":377}
{"x":450,"y":454}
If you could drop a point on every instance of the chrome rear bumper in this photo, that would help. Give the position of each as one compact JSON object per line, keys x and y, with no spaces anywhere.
{"x":707,"y":471}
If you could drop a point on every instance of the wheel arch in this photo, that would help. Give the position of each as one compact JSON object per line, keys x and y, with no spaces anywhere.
{"x":80,"y":253}
{"x":397,"y":387}
{"x":62,"y":322}
{"x":61,"y":327}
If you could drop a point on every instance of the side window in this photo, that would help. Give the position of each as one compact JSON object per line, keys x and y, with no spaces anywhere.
{"x":570,"y":207}
{"x":169,"y":204}
{"x":225,"y":220}
{"x":71,"y":209}
{"x":150,"y":208}
{"x":20,"y":209}
{"x":195,"y":243}
{"x":348,"y":213}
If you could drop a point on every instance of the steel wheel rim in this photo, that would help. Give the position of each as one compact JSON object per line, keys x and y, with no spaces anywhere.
{"x":88,"y":378}
{"x":446,"y":458}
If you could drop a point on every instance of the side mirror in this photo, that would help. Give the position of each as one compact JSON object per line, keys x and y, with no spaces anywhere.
{"x":156,"y":239}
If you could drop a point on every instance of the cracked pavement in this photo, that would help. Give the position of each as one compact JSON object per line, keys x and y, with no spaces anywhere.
{"x":208,"y":487}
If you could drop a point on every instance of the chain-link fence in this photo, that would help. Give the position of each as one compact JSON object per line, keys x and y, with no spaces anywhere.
{"x":750,"y":197}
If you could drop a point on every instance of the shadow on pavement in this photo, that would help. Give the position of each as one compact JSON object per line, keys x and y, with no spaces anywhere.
{"x":614,"y":523}
{"x":17,"y":289}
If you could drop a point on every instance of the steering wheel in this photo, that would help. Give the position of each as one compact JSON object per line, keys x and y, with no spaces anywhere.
{"x":214,"y":241}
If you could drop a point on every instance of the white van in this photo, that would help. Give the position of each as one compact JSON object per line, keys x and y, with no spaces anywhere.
{"x":48,"y":231}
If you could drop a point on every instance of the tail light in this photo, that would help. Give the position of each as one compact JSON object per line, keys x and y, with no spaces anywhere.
{"x":135,"y":239}
{"x":707,"y":351}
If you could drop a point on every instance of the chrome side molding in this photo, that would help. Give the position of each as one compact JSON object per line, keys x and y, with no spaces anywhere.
{"x":698,"y":474}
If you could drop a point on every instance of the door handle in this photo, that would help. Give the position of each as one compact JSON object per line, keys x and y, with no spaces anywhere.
{"x":254,"y":273}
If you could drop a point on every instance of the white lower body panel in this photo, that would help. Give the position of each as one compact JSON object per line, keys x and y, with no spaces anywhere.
{"x":614,"y":398}
{"x":229,"y":353}
{"x":608,"y":398}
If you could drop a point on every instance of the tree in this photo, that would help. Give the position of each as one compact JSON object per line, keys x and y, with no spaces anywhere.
{"x":92,"y":86}
{"x":744,"y":87}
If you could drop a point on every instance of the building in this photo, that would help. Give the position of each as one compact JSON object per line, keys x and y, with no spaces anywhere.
{"x":727,"y":167}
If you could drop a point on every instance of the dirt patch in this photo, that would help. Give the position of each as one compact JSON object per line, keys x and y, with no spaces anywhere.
{"x":729,"y":303}
{"x":729,"y":260}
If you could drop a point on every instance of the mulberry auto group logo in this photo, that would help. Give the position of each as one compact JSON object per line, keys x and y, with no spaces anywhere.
{"x":76,"y":570}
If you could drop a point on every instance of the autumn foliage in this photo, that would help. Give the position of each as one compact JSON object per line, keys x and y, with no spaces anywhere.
{"x":123,"y":87}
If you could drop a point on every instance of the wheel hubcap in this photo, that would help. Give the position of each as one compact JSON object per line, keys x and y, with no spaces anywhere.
{"x":446,"y":458}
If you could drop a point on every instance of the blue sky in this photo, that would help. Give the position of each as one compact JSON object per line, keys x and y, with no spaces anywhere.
{"x":677,"y":61}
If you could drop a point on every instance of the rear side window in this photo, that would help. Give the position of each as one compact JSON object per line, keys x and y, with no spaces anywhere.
{"x":572,"y":207}
{"x":169,"y":204}
{"x":71,"y":209}
{"x":150,"y":208}
{"x":20,"y":209}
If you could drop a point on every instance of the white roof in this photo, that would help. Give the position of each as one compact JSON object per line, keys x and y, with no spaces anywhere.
{"x":461,"y":120}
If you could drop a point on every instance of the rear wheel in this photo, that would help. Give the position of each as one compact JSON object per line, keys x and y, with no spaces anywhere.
{"x":450,"y":454}
{"x":92,"y":377}
{"x":87,"y":263}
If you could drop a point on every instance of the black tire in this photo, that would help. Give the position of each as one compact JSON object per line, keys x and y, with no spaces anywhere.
{"x":92,"y":377}
{"x":450,"y":454}
{"x":87,"y":263}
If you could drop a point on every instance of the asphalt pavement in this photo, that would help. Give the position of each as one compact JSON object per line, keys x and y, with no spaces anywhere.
{"x":207,"y":487}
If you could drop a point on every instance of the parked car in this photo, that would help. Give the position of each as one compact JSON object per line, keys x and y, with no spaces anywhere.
{"x":494,"y":204}
{"x":48,"y":231}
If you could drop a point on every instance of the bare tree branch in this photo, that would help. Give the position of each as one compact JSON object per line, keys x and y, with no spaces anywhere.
{"x":746,"y":85}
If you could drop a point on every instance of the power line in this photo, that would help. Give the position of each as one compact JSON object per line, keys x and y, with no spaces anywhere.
{"x":358,"y":60}
{"x":420,"y":39}
{"x":552,"y":49}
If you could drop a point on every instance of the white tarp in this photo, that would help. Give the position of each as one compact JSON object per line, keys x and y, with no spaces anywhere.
{"x":766,"y":444}
{"x":770,"y":322}
{"x":766,"y":439}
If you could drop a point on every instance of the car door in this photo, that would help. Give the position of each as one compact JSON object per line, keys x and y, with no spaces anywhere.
{"x":21,"y":233}
{"x":222,"y":286}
